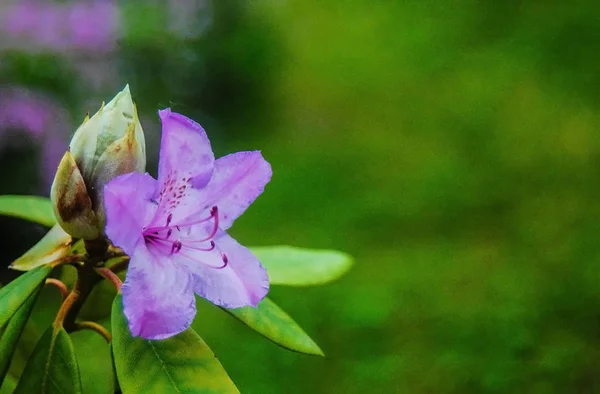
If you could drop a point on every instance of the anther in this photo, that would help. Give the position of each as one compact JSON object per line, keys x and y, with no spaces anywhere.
{"x":225,"y":261}
{"x":214,"y":212}
{"x":176,"y":247}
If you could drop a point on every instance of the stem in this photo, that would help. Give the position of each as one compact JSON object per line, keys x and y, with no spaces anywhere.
{"x":90,"y":325}
{"x":120,"y":266}
{"x":73,"y":259}
{"x":115,"y":251}
{"x":96,"y":249}
{"x":86,"y":281}
{"x":111,"y":276}
{"x":64,"y":292}
{"x":65,"y":308}
{"x":97,"y":252}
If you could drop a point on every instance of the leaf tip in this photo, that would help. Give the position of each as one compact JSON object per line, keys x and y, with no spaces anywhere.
{"x":319,"y":352}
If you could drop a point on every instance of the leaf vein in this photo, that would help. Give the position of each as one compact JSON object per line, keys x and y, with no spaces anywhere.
{"x":162,"y":364}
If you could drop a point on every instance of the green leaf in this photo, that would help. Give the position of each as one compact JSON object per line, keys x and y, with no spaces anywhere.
{"x":274,"y":324}
{"x":95,"y":365}
{"x":16,"y":293}
{"x":8,"y":385}
{"x":52,"y":367}
{"x":33,"y":208}
{"x":180,"y":364}
{"x":54,"y":245}
{"x":11,"y":332}
{"x":292,"y":266}
{"x":99,"y":303}
{"x":43,"y":314}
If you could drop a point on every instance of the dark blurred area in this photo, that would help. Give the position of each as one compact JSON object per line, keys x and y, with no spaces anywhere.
{"x":452,"y":148}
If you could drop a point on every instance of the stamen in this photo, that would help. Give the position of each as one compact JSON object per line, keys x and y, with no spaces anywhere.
{"x":185,"y":242}
{"x":196,"y":260}
{"x":209,"y":249}
{"x":225,"y":262}
{"x":176,"y":247}
{"x":214,"y":212}
{"x":191,"y":221}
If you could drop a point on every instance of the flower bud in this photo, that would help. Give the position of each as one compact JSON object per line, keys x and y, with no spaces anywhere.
{"x":108,"y":144}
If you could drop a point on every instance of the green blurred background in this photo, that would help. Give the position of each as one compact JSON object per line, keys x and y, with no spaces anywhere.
{"x":451,"y":147}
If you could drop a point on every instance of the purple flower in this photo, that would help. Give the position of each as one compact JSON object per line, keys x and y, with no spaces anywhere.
{"x":173,"y":229}
{"x":91,"y":26}
{"x":45,"y":123}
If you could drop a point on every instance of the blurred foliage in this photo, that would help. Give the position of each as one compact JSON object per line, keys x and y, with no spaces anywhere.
{"x":451,"y":148}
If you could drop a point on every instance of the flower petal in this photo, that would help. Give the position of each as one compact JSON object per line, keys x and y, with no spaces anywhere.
{"x":237,"y":180}
{"x":129,"y":207}
{"x":158,"y":296}
{"x":242,"y":282}
{"x":184,"y":150}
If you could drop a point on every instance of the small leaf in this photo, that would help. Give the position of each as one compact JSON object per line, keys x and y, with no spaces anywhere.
{"x":33,"y":208}
{"x":11,"y":332}
{"x":292,"y":266}
{"x":180,"y":364}
{"x":52,"y":367}
{"x":54,"y":245}
{"x":274,"y":324}
{"x":16,"y":293}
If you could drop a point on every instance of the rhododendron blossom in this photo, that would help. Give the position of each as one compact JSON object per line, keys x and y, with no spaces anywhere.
{"x":173,"y":229}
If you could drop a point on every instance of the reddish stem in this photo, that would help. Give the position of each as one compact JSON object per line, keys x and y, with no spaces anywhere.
{"x":110,"y":276}
{"x":90,"y":325}
{"x":64,"y":292}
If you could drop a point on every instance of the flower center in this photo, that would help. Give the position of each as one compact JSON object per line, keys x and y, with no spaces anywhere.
{"x":179,"y":239}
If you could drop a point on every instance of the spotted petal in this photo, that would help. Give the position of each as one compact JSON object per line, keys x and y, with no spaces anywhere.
{"x":237,"y":180}
{"x":127,"y":201}
{"x":158,"y":296}
{"x":184,"y":149}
